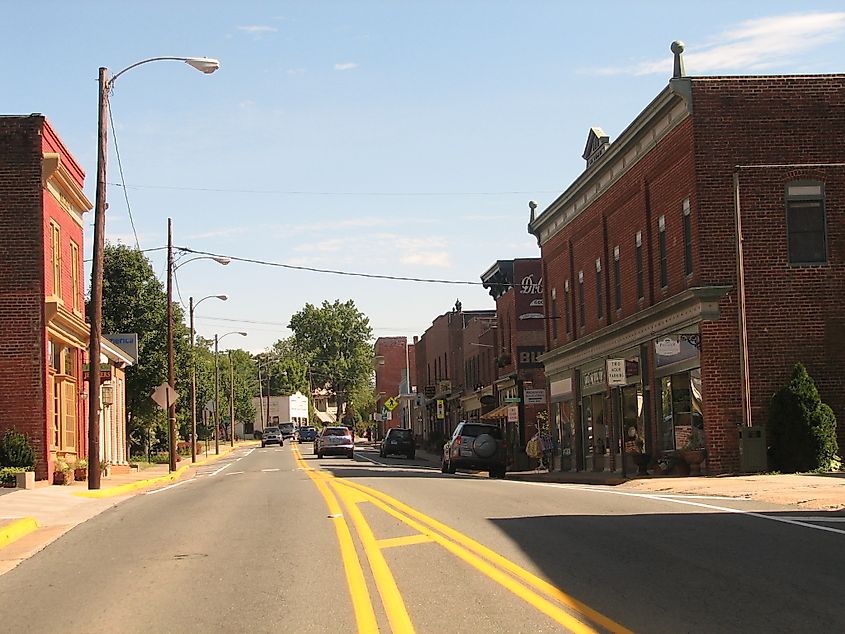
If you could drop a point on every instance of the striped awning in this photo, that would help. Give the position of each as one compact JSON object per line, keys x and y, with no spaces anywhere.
{"x":499,"y":412}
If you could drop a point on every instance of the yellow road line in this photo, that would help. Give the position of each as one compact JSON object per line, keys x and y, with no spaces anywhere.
{"x":365,"y":616}
{"x":408,"y":540}
{"x":539,"y":584}
{"x":545,"y":606}
{"x":391,"y":598}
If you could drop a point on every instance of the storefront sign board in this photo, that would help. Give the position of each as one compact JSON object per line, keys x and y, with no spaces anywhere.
{"x":535,"y":397}
{"x":616,"y":372}
{"x":513,"y":414}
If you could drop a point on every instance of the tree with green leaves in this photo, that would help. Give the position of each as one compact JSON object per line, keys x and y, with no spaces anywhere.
{"x":334,"y":340}
{"x":134,"y":300}
{"x":802,"y":429}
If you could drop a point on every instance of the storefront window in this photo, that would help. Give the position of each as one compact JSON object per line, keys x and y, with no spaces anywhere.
{"x":681,"y":422}
{"x":632,"y":418}
{"x":596,"y":441}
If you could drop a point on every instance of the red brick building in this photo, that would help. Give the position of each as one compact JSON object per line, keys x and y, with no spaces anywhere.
{"x":44,"y":333}
{"x":396,"y":357}
{"x":643,"y":268}
{"x":517,"y":287}
{"x":441,"y":375}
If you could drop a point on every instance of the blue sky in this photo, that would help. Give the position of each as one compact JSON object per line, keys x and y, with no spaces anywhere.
{"x":387,"y":138}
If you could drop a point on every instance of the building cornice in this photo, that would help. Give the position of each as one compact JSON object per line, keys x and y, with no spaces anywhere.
{"x":667,"y":317}
{"x":57,"y":179}
{"x":668,"y":110}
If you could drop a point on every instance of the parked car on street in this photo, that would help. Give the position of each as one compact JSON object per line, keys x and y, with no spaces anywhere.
{"x":306,"y":434}
{"x":288,"y":429}
{"x":398,"y":441}
{"x":475,"y":446}
{"x":334,"y":441}
{"x":272,"y":436}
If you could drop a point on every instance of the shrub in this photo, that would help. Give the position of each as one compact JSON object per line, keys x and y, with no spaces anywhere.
{"x":802,"y":429}
{"x":15,"y":451}
{"x":7,"y":474}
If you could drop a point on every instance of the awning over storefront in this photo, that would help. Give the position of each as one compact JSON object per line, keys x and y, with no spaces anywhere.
{"x":499,"y":412}
{"x":325,"y":417}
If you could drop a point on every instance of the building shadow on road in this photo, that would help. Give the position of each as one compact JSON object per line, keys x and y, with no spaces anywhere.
{"x":702,"y":572}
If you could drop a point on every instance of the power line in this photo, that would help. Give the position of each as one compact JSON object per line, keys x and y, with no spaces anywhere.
{"x":333,"y":271}
{"x":122,"y":179}
{"x":277,"y":192}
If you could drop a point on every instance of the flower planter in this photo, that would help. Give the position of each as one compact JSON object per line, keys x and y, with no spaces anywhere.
{"x":80,"y":475}
{"x":641,"y":460}
{"x":694,"y":458}
{"x":63,"y":477}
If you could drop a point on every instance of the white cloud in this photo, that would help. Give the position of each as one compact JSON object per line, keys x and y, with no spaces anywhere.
{"x":246,"y":104}
{"x":258,"y":29}
{"x":345,"y":66}
{"x":435,"y":259}
{"x":753,"y":45}
{"x":295,"y":71}
{"x":427,"y":251}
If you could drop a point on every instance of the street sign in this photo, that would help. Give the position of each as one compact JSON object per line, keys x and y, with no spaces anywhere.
{"x":164,"y":393}
{"x":391,"y":403}
{"x":441,"y":409}
{"x":535,"y":397}
{"x":616,"y":372}
{"x":513,"y":414}
{"x":512,"y":399}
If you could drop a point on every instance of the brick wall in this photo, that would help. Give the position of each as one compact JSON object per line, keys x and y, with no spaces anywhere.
{"x":794,"y":313}
{"x":23,"y":404}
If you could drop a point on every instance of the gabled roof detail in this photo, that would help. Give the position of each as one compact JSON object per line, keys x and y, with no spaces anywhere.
{"x":597,"y":143}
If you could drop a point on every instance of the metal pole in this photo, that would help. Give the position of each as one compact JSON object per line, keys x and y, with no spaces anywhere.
{"x":745,"y":384}
{"x":171,"y":369}
{"x":407,"y":387}
{"x":268,"y":396}
{"x":193,"y":384}
{"x":260,"y":398}
{"x":216,"y":399}
{"x":96,"y":307}
{"x":231,"y":401}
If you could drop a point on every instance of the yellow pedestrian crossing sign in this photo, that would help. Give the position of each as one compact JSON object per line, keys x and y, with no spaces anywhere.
{"x":391,"y":403}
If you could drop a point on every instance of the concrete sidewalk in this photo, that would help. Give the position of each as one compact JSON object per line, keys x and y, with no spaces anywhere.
{"x":31,"y":519}
{"x":810,"y":491}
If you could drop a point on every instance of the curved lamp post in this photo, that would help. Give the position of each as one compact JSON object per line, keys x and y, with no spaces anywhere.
{"x":191,"y":307}
{"x":205,"y":65}
{"x":217,"y":390}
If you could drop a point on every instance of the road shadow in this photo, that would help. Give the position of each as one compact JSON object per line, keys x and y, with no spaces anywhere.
{"x":703,"y":572}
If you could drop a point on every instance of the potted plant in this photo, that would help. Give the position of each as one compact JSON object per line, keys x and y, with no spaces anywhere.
{"x":693,"y":452}
{"x":80,"y":470}
{"x":105,"y":468}
{"x":63,"y":474}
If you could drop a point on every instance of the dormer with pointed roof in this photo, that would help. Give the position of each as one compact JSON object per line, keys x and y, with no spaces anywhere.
{"x":597,"y":143}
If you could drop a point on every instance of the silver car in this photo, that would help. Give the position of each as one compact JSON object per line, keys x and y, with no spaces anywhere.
{"x":272,"y":436}
{"x":334,"y":441}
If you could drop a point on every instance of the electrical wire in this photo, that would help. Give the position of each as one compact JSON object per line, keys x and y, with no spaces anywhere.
{"x":122,"y":179}
{"x":283,"y":192}
{"x":374,"y":276}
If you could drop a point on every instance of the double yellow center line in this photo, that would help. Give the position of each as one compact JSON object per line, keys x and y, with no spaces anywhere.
{"x":567,"y":611}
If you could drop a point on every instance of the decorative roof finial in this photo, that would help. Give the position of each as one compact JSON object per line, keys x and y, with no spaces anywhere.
{"x":532,"y":205}
{"x":678,"y":50}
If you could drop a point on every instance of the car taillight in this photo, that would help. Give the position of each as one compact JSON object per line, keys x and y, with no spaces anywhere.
{"x":458,"y":440}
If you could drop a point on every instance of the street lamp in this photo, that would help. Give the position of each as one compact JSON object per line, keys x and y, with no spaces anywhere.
{"x":191,"y":307}
{"x":205,"y":65}
{"x":217,"y":389}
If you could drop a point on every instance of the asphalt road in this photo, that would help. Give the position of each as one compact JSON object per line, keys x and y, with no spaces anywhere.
{"x":275,"y":540}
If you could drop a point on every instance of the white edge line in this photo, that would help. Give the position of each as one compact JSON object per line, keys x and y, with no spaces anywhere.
{"x":170,"y":486}
{"x":249,"y":452}
{"x":266,"y":470}
{"x":225,"y":466}
{"x":235,"y":472}
{"x":713,"y":507}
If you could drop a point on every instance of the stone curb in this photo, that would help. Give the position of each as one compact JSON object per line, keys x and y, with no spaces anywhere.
{"x":123,"y":489}
{"x":16,"y":529}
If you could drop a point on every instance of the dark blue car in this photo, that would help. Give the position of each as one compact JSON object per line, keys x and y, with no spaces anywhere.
{"x":306,"y":434}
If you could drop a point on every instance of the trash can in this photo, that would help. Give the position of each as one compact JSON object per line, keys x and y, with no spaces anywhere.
{"x":752,"y":449}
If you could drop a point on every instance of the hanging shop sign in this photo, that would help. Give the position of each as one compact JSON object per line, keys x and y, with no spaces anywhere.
{"x":668,"y":346}
{"x":513,"y":414}
{"x":441,"y":408}
{"x":616,"y":372}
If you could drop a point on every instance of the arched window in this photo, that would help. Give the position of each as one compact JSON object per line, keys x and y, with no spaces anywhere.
{"x":805,"y":222}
